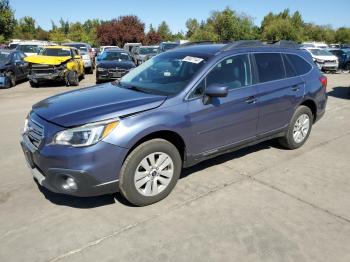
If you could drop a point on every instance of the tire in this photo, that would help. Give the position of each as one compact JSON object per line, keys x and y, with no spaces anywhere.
{"x":169,"y":161}
{"x":90,"y":70}
{"x":34,"y":84}
{"x":293,"y":139}
{"x":12,"y":78}
{"x":73,"y":78}
{"x":82,"y":75}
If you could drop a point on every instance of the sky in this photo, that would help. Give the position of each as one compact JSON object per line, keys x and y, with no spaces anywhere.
{"x":176,"y":12}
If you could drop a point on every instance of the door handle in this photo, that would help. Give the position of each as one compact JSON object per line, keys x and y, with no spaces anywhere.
{"x":251,"y":100}
{"x":295,"y":88}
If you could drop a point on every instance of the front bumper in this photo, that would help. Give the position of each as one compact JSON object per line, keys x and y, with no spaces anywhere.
{"x":46,"y":76}
{"x":5,"y":82}
{"x":87,"y":63}
{"x":109,"y":74}
{"x":94,"y":169}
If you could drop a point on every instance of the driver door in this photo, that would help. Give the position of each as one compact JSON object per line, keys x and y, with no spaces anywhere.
{"x":225,"y":121}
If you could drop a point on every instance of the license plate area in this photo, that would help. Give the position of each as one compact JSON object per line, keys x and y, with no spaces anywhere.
{"x":29,"y":156}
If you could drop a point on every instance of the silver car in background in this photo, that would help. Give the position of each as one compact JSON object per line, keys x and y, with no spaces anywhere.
{"x":143,"y":53}
{"x":87,"y":55}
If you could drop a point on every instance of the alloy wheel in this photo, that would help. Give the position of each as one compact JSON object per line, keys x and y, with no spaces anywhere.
{"x":301,"y":128}
{"x":154,"y":173}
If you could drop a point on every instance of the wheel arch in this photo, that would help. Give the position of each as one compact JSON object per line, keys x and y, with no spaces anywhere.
{"x":168,"y":135}
{"x":312,"y":106}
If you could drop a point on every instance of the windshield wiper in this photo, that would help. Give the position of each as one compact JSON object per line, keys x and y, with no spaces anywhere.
{"x":131,"y":87}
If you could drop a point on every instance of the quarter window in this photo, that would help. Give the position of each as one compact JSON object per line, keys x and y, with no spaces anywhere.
{"x":300,"y":65}
{"x":289,"y":68}
{"x":270,"y":66}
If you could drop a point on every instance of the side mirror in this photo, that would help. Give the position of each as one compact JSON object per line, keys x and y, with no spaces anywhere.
{"x":216,"y":91}
{"x":77,"y":57}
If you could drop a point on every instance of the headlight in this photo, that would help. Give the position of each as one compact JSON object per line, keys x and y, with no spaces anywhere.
{"x":101,"y":69}
{"x":85,"y":135}
{"x":319,"y":60}
{"x":25,"y":128}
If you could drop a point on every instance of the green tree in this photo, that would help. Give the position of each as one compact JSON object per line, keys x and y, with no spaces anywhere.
{"x":7,"y":19}
{"x":282,"y":26}
{"x":192,"y":25}
{"x":57,"y":36}
{"x":164,"y":31}
{"x":25,"y":28}
{"x":342,"y":35}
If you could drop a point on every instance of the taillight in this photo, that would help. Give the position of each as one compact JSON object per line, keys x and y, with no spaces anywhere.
{"x":323,"y":80}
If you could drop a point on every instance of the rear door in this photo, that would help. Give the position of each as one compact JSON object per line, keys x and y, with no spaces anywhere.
{"x":224,"y":121}
{"x":280,"y":89}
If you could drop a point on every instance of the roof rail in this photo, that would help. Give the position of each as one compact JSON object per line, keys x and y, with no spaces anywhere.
{"x":286,"y":44}
{"x":197,"y":43}
{"x":258,"y":43}
{"x":242,"y":44}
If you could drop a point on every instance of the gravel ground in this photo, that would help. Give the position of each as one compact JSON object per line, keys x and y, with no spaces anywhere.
{"x":262,"y":203}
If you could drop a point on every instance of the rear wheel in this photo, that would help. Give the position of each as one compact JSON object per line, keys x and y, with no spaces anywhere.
{"x":150,"y":172}
{"x":299,"y":128}
{"x":90,"y":70}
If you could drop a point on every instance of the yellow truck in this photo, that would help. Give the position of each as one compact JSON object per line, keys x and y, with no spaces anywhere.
{"x":56,"y":63}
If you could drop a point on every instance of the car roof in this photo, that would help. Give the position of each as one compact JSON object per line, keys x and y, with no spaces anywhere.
{"x":116,"y":50}
{"x":58,"y":47}
{"x":8,"y":50}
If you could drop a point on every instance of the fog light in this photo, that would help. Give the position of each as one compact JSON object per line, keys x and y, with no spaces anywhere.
{"x":69,"y":184}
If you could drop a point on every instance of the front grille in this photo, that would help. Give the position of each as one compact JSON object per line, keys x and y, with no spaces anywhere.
{"x":115,"y":70}
{"x":35,"y":133}
{"x":330,"y":61}
{"x":42,"y":69}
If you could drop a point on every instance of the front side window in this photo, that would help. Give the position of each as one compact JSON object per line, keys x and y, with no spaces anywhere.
{"x":270,"y":66}
{"x":166,"y":74}
{"x":233,"y":72}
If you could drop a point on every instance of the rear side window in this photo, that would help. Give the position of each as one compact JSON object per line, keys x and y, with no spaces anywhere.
{"x":270,"y":66}
{"x":300,"y":65}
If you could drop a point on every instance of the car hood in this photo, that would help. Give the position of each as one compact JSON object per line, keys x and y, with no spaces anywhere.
{"x":47,"y":60}
{"x":95,"y":103}
{"x":116,"y":63}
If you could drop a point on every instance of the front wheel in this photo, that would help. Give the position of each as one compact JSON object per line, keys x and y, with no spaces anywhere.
{"x":150,"y":172}
{"x":299,"y":128}
{"x":73,"y":78}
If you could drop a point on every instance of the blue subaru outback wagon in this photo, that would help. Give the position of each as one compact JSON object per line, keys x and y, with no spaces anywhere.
{"x":175,"y":110}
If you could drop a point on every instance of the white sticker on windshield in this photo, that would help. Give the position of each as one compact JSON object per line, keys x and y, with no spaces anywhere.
{"x":191,"y":59}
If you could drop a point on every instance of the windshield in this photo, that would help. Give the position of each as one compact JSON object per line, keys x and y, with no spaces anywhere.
{"x":112,"y":56}
{"x":56,"y":52}
{"x":320,"y":52}
{"x":148,"y":50}
{"x":4,"y":57}
{"x":28,"y":48}
{"x":166,"y":74}
{"x":169,"y":46}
